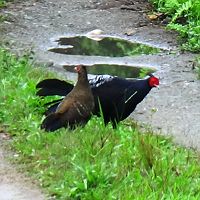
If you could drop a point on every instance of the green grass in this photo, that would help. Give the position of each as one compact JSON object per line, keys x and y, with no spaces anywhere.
{"x":2,"y":3}
{"x":197,"y":66}
{"x":94,"y":162}
{"x":185,"y":18}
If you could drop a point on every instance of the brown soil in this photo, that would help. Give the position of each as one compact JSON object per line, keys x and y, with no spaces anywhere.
{"x":13,"y":184}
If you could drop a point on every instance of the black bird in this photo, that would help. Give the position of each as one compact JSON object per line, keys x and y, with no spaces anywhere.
{"x":76,"y":108}
{"x":115,"y":97}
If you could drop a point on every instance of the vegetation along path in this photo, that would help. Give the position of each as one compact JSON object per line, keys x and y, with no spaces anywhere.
{"x":172,"y":110}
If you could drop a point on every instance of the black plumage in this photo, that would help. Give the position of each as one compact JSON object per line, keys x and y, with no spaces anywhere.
{"x":53,"y":87}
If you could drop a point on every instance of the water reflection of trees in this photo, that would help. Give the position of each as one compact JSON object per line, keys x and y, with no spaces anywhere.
{"x":108,"y":46}
{"x":115,"y":70}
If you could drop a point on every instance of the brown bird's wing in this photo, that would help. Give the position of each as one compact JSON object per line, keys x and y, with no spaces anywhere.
{"x":65,"y":105}
{"x":69,"y":114}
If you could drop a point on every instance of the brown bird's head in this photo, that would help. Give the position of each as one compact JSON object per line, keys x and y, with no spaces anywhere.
{"x":80,"y":69}
{"x":82,"y":74}
{"x":153,"y":81}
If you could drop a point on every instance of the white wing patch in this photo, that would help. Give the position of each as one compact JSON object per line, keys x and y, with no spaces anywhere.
{"x":100,"y":80}
{"x":131,"y":96}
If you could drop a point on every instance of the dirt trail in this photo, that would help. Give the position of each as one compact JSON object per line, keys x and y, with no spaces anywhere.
{"x":35,"y":23}
{"x":14,"y":185}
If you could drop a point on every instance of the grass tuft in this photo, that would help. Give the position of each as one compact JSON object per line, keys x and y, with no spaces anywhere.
{"x":196,"y":66}
{"x":4,"y":2}
{"x":94,"y":162}
{"x":185,"y":19}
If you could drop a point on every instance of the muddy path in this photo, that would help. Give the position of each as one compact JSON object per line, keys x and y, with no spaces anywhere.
{"x":172,"y":110}
{"x":14,"y":185}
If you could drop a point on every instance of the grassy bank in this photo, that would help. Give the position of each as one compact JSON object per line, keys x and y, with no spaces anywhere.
{"x":185,"y":18}
{"x":94,"y":162}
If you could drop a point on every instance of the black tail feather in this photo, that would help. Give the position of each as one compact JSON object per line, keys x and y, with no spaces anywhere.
{"x":49,"y":87}
{"x":43,"y":92}
{"x":52,"y":122}
{"x":53,"y":102}
{"x":52,"y":83}
{"x":52,"y":108}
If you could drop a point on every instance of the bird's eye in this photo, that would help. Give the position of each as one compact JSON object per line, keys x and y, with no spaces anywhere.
{"x":77,"y":68}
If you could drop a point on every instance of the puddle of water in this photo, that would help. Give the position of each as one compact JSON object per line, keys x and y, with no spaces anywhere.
{"x":122,"y":71}
{"x":108,"y":46}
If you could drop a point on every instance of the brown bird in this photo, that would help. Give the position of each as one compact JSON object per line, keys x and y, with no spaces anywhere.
{"x":76,"y":108}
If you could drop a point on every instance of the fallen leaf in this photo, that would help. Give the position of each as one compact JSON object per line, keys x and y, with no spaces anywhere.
{"x":152,"y":17}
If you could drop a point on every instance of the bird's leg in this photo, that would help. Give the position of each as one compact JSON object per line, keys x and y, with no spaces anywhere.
{"x":114,"y":124}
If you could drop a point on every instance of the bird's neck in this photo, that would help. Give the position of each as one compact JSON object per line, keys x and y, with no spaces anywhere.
{"x":82,"y":80}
